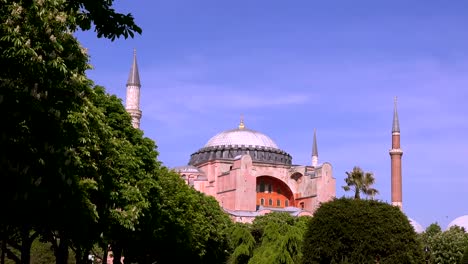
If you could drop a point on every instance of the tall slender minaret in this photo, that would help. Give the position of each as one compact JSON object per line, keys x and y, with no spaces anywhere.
{"x":314,"y":150}
{"x":132,"y":104}
{"x":395,"y":155}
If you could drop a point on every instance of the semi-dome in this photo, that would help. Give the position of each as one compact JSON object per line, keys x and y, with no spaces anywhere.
{"x":461,"y":221}
{"x":241,"y":136}
{"x":417,"y":227}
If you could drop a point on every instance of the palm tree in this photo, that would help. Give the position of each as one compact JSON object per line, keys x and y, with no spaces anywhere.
{"x":360,"y":181}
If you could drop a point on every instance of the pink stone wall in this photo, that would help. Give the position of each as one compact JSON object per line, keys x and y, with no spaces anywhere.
{"x":327,"y":184}
{"x":234,"y":183}
{"x":245,"y":184}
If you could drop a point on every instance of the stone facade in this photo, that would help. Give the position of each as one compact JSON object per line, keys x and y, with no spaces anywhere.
{"x":251,"y":180}
{"x":246,"y":171}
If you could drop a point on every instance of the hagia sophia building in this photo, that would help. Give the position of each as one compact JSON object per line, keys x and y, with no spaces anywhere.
{"x":250,"y":175}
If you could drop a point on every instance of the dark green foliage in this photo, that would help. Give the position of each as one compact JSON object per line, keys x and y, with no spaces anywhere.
{"x":41,"y":81}
{"x":272,"y":238}
{"x":426,"y":239}
{"x":41,"y":253}
{"x":465,"y":256}
{"x":242,"y":243}
{"x":107,"y":22}
{"x":261,"y":222}
{"x":183,"y":220}
{"x":75,"y":173}
{"x":433,"y":229}
{"x":444,"y":247}
{"x":360,"y":231}
{"x":48,"y":150}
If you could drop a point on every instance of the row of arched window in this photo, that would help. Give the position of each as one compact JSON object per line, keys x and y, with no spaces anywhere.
{"x":264,"y":187}
{"x":270,"y":202}
{"x":267,"y":187}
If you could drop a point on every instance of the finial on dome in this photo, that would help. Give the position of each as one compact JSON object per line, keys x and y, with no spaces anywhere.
{"x":241,"y":124}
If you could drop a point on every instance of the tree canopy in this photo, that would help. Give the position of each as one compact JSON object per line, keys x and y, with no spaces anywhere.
{"x":179,"y":219}
{"x":272,"y":238}
{"x":55,"y":143}
{"x":465,"y":256}
{"x":360,"y":231}
{"x":444,"y":246}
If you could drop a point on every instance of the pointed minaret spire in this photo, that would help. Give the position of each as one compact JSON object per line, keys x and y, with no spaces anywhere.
{"x":132,"y":104}
{"x":314,"y":150}
{"x":396,"y":123}
{"x":395,"y":155}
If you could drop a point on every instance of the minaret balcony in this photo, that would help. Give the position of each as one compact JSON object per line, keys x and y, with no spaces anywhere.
{"x":396,"y":151}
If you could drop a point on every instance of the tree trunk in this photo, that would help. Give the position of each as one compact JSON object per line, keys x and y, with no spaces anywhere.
{"x":61,"y":253}
{"x":106,"y":251}
{"x":81,"y":257}
{"x":78,"y":257}
{"x":117,"y":252}
{"x":26,"y":242}
{"x":2,"y":261}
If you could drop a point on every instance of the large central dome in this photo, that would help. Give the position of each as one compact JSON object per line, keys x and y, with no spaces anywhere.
{"x":229,"y":144}
{"x":241,"y":136}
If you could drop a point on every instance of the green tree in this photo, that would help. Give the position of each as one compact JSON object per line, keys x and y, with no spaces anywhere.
{"x":360,"y":231}
{"x":432,"y":230}
{"x":465,"y":256}
{"x":360,"y":182}
{"x":125,"y":177}
{"x":42,"y":81}
{"x":272,"y":238}
{"x":181,"y":218}
{"x":448,"y":246}
{"x":242,"y":244}
{"x":427,"y":236}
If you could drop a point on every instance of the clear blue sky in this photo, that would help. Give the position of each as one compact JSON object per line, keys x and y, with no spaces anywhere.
{"x":292,"y":66}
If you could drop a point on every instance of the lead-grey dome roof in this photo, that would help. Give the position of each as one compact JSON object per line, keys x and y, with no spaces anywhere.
{"x":241,"y":136}
{"x":229,"y":144}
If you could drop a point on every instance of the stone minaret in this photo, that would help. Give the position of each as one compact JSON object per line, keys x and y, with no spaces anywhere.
{"x":314,"y":150}
{"x":132,"y":104}
{"x":395,"y":155}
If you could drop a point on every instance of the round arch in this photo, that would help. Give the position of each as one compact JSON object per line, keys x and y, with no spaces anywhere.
{"x":272,"y":192}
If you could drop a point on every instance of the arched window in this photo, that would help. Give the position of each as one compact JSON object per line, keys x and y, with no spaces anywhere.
{"x":262,"y":201}
{"x":270,"y":202}
{"x":286,"y":203}
{"x":269,"y":188}
{"x":262,"y":186}
{"x":278,"y":202}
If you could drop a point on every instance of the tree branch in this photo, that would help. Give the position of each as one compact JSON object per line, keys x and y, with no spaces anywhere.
{"x":13,"y":244}
{"x":12,"y":256}
{"x":34,"y":236}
